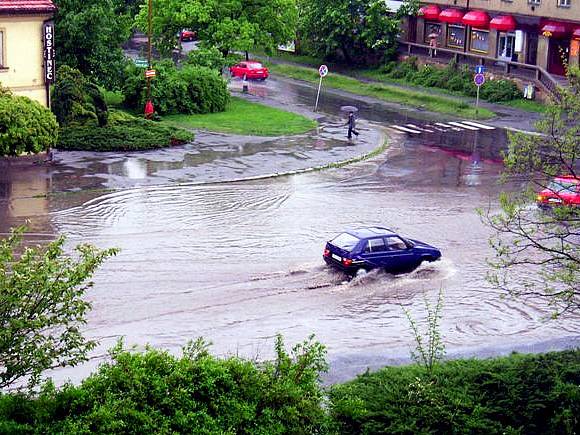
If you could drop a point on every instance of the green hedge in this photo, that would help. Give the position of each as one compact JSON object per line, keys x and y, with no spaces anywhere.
{"x":25,"y":126}
{"x":122,"y":133}
{"x":188,"y":90}
{"x":537,"y":394}
{"x":452,"y":78}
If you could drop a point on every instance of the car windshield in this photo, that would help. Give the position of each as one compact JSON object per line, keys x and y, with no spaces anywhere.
{"x":255,"y":66}
{"x":561,"y":186}
{"x":345,"y":241}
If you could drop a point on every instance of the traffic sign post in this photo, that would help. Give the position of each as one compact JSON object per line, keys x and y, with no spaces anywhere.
{"x":322,"y":72}
{"x":479,"y":69}
{"x":478,"y":79}
{"x":141,"y":63}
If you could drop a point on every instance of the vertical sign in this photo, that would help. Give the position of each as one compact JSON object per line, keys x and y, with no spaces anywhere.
{"x":49,"y":64}
{"x":322,"y":72}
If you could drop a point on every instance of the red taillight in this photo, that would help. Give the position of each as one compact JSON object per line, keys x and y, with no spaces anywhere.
{"x":346,"y":261}
{"x":326,"y":253}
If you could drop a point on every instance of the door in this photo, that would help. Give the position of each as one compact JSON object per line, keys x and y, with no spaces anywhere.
{"x":505,"y":46}
{"x":532,"y":52}
{"x":374,"y":253}
{"x":558,"y":56}
{"x":401,"y":258}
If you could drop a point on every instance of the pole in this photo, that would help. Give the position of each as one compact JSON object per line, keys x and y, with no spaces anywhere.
{"x":149,"y":18}
{"x":318,"y":94}
{"x":477,"y":103}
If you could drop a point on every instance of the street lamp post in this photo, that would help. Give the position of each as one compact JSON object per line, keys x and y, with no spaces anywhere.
{"x":149,"y":110}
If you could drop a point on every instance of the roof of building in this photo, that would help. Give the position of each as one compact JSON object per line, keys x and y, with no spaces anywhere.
{"x":18,"y":7}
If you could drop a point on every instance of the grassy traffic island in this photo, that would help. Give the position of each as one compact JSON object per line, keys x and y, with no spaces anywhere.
{"x":385,"y":92}
{"x":246,"y":118}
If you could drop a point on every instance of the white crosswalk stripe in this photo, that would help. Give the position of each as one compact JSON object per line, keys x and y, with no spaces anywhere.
{"x":440,"y":124}
{"x":460,"y":125}
{"x":405,"y":129}
{"x":413,"y":126}
{"x":435,"y":128}
{"x":477,"y":124}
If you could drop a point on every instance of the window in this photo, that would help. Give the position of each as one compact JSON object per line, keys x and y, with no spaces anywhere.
{"x":1,"y":48}
{"x":432,"y":29}
{"x":534,"y":2}
{"x":456,"y":36}
{"x":396,"y":244}
{"x":479,"y":41}
{"x":564,"y":3}
{"x":345,"y":241}
{"x":375,"y":245}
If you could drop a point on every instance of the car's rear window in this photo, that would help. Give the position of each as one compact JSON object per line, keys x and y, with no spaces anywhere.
{"x":255,"y":66}
{"x":345,"y":241}
{"x":561,"y":186}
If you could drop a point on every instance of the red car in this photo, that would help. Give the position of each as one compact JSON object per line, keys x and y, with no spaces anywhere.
{"x":188,"y":35}
{"x":564,"y":190}
{"x":250,"y":69}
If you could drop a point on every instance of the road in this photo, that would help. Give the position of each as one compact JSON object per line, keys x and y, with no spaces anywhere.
{"x":239,"y":262}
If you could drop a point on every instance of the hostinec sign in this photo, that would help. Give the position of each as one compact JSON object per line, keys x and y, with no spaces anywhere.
{"x":49,"y":64}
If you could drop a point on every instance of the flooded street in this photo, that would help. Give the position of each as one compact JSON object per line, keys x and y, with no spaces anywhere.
{"x":239,"y":262}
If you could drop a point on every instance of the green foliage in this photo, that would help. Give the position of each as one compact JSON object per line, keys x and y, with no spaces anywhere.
{"x":123,"y":133}
{"x":520,"y":394}
{"x":235,"y":25}
{"x":537,"y":253}
{"x":77,"y":99}
{"x":42,"y":306}
{"x":210,"y":58}
{"x":432,"y":352}
{"x":354,"y":31}
{"x":155,"y":392}
{"x":25,"y":126}
{"x":189,"y":90}
{"x":90,"y":35}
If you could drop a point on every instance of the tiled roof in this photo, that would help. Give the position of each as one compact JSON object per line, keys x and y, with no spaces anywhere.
{"x":26,"y":7}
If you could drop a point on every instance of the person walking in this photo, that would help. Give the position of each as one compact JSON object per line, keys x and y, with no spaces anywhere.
{"x":433,"y":46}
{"x":351,"y":125}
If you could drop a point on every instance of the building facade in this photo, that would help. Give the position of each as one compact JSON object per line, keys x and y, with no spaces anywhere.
{"x":22,"y":46}
{"x":536,"y":32}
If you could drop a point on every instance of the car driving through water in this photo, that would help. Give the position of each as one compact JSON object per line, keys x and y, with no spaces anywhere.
{"x":562,"y":191}
{"x":377,"y":248}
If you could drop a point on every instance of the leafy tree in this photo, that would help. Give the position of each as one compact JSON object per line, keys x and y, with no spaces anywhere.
{"x":354,"y":31}
{"x":228,"y":25}
{"x":75,"y":98}
{"x":25,"y":125}
{"x":537,"y":252}
{"x":42,"y":306}
{"x":90,"y":34}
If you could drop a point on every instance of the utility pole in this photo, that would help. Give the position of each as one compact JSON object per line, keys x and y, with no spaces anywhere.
{"x":149,"y":110}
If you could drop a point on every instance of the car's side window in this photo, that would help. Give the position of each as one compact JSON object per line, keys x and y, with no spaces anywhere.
{"x":395,"y":244}
{"x":242,"y":65}
{"x":375,"y":245}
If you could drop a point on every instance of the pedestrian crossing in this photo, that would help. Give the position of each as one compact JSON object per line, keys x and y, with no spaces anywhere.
{"x":441,"y":127}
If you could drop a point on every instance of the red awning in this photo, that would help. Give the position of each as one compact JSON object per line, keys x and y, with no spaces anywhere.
{"x":430,"y":12}
{"x":451,"y":15}
{"x":576,"y":33}
{"x":503,"y":23}
{"x":554,"y":29}
{"x":477,"y":19}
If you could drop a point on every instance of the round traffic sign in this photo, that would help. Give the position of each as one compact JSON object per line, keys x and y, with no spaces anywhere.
{"x":479,"y":79}
{"x":323,"y":70}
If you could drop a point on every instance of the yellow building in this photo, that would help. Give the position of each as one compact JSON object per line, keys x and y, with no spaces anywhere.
{"x":26,"y":40}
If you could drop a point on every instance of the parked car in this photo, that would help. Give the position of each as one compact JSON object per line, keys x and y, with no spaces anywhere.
{"x":188,"y":35}
{"x":562,"y":191}
{"x":250,"y":69}
{"x":376,"y":247}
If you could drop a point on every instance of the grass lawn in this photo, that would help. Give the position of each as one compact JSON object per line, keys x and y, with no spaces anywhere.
{"x":527,"y":105}
{"x":423,"y":100}
{"x":247,"y":118}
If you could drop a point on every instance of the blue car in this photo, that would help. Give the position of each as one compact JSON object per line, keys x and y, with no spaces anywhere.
{"x":376,"y":247}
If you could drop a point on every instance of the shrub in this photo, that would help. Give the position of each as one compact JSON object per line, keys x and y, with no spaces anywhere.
{"x":519,"y":394}
{"x":77,"y":99}
{"x":188,"y":90}
{"x":210,"y":58}
{"x":403,"y":69}
{"x":123,"y":133}
{"x":25,"y":126}
{"x":499,"y":90}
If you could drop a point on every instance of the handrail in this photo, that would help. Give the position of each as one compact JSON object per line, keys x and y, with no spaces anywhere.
{"x":543,"y":77}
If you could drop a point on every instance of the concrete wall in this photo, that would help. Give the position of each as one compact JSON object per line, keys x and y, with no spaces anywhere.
{"x":23,"y":70}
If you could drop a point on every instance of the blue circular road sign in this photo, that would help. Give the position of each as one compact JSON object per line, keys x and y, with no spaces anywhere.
{"x":479,"y":79}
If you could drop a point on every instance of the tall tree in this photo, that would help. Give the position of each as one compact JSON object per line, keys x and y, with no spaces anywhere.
{"x":538,"y":252}
{"x":228,"y":25}
{"x":354,"y":31}
{"x":89,"y":35}
{"x":42,"y":307}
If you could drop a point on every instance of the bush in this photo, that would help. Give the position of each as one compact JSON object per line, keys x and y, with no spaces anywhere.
{"x":155,"y":392}
{"x":25,"y":126}
{"x":520,"y":394}
{"x":210,"y":58}
{"x":123,"y":133}
{"x":77,"y":99}
{"x":499,"y":90}
{"x":188,"y":90}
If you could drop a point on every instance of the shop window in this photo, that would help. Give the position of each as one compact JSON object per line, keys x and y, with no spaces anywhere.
{"x":432,"y":29}
{"x":534,"y":2}
{"x":479,"y":41}
{"x":564,"y":3}
{"x":456,"y":36}
{"x":2,"y":63}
